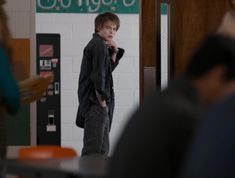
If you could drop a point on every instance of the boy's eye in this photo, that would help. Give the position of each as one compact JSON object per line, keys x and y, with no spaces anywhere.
{"x":110,"y":28}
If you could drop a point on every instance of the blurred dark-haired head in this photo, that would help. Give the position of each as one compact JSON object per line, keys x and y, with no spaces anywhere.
{"x":212,"y":68}
{"x":215,"y":50}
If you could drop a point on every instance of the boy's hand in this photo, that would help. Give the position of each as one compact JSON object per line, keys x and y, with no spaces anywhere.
{"x":112,"y":45}
{"x":102,"y":102}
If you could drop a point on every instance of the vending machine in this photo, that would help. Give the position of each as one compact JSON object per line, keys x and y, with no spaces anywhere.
{"x":48,"y":107}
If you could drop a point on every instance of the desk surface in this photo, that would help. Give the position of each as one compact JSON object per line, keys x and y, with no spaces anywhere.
{"x":74,"y":167}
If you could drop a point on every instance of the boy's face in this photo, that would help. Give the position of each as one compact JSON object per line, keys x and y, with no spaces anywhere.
{"x":108,"y":30}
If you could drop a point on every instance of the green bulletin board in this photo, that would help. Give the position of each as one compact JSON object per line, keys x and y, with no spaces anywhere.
{"x":88,"y":6}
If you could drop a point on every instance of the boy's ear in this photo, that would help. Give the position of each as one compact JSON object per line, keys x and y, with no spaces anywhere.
{"x":98,"y":28}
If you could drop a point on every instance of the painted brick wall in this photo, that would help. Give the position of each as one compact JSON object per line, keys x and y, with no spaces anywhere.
{"x":76,"y":30}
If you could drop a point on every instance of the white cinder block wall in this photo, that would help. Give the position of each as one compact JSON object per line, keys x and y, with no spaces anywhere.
{"x":76,"y":30}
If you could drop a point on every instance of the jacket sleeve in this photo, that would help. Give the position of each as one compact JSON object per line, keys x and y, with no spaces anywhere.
{"x":118,"y":57}
{"x":99,"y":54}
{"x":9,"y":90}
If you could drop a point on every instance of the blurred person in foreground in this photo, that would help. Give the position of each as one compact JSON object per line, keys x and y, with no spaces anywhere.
{"x":212,"y":151}
{"x":9,"y":90}
{"x":154,"y":141}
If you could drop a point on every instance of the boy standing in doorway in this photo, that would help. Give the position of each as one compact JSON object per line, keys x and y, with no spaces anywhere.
{"x":95,"y":88}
